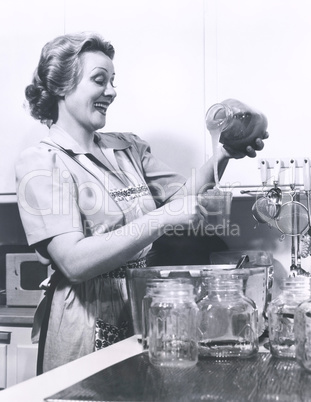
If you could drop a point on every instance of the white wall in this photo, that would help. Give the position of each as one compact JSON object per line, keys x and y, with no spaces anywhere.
{"x":259,"y":52}
{"x":24,"y":27}
{"x":174,"y":58}
{"x":159,"y":71}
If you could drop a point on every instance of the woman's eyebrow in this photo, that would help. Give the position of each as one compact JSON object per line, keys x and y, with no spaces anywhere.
{"x":102,"y":68}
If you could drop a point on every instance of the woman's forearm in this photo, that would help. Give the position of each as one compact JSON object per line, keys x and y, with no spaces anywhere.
{"x":204,"y":177}
{"x":81,"y":258}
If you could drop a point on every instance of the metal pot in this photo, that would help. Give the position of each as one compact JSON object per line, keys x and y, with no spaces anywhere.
{"x":257,"y":285}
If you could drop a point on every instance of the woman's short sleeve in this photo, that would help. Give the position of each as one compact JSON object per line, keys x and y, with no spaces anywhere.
{"x":162,"y":181}
{"x":46,"y":195}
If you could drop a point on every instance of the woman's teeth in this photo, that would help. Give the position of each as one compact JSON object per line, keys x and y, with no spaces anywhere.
{"x":100,"y":105}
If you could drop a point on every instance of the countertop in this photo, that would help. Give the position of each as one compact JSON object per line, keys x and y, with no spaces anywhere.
{"x":122,"y":372}
{"x":22,"y":316}
{"x":123,"y":364}
{"x":47,"y":384}
{"x":261,"y":378}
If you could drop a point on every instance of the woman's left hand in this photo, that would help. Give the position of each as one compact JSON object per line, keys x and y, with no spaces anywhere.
{"x":249,"y":151}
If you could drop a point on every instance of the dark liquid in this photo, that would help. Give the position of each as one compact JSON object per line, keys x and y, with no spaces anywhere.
{"x":214,"y":344}
{"x":226,"y":348}
{"x":243,"y":130}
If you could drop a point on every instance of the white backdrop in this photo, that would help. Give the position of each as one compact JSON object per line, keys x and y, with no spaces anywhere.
{"x":159,"y":71}
{"x":259,"y":52}
{"x":174,"y":58}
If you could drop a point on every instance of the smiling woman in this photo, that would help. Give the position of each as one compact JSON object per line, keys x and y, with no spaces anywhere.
{"x":59,"y":71}
{"x":92,"y":203}
{"x":83,"y":109}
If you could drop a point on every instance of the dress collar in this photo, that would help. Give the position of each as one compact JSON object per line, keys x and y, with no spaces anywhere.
{"x":106,"y":140}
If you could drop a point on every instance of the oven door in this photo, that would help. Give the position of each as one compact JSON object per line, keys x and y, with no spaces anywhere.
{"x":24,"y":274}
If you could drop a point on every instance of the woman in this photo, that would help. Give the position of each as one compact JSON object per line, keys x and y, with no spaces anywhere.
{"x":92,"y":203}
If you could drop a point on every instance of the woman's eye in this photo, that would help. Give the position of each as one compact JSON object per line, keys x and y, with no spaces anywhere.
{"x":100,"y":80}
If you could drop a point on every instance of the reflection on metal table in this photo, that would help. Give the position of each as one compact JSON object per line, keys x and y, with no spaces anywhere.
{"x":261,"y":378}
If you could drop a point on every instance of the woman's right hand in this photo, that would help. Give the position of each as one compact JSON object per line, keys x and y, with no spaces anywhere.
{"x":250,"y":151}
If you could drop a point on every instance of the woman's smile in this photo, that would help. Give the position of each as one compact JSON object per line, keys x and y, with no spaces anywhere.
{"x":102,"y":107}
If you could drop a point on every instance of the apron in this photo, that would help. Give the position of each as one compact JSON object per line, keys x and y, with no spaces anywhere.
{"x":75,"y":320}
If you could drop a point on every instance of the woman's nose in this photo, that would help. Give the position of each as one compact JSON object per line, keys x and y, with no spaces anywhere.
{"x":110,"y":91}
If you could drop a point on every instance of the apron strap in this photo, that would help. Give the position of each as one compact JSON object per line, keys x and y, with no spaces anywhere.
{"x":55,"y":279}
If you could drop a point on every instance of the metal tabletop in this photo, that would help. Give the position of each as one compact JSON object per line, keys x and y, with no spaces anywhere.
{"x":260,"y":378}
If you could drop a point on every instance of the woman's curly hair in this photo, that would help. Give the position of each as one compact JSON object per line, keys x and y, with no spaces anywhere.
{"x":59,"y":72}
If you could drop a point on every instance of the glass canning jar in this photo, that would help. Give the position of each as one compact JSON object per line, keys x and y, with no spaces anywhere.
{"x":172,"y":326}
{"x":152,"y":287}
{"x":302,"y":331}
{"x":237,"y":124}
{"x":281,"y":314}
{"x":227,"y":319}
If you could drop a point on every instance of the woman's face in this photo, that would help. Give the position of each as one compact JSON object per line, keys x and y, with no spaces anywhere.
{"x":87,"y":104}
